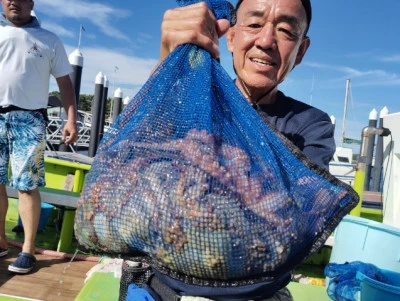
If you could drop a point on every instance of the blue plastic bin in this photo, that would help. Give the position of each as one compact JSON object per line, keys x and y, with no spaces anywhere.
{"x":361,"y":239}
{"x":46,"y":210}
{"x":373,"y":290}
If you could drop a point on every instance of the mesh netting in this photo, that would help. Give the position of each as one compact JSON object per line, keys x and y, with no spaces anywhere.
{"x":345,"y":284}
{"x":134,"y":270}
{"x":191,"y":176}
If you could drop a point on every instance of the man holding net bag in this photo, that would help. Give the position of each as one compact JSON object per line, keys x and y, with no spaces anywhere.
{"x":222,"y":203}
{"x":268,"y":40}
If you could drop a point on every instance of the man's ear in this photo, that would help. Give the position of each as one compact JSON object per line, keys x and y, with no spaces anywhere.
{"x":230,"y":37}
{"x":305,"y":43}
{"x":32,"y":4}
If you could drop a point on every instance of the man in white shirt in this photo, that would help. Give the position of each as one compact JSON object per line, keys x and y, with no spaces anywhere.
{"x":28,"y":56}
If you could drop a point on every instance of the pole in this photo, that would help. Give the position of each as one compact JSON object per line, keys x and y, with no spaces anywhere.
{"x":126,"y":100}
{"x":103,"y":109}
{"x":359,"y":179}
{"x":377,"y":171}
{"x":117,"y":104}
{"x":80,"y":36}
{"x":346,"y":97}
{"x":76,"y":61}
{"x":113,"y":87}
{"x":96,"y":109}
{"x":373,"y":117}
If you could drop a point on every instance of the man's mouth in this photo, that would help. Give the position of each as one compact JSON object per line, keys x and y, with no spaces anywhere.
{"x":261,"y":62}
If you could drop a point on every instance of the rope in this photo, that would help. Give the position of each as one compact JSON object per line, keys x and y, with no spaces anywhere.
{"x":57,"y":254}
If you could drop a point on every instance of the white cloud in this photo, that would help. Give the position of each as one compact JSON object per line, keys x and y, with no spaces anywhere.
{"x":375,"y":77}
{"x":358,"y":55}
{"x":99,"y":14}
{"x":57,"y":29}
{"x":132,"y":71}
{"x":343,"y":69}
{"x":391,"y":59}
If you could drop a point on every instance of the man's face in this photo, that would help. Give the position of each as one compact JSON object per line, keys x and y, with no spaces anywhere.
{"x":267,"y":42}
{"x":18,"y":12}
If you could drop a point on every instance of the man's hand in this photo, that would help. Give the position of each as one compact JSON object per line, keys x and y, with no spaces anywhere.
{"x":194,"y":24}
{"x":70,"y":133}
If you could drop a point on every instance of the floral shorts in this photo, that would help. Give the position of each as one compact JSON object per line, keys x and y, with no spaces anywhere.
{"x":22,"y":143}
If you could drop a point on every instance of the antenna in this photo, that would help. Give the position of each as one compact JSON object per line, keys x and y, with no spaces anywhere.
{"x":115,"y":76}
{"x":345,"y":110}
{"x":114,"y":79}
{"x":80,"y":36}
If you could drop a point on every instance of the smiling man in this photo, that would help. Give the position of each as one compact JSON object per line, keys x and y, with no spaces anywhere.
{"x":28,"y":56}
{"x":268,"y":40}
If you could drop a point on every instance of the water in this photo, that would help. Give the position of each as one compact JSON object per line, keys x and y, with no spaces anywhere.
{"x":68,"y":265}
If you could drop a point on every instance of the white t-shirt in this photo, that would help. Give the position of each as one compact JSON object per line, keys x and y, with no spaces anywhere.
{"x":28,"y":56}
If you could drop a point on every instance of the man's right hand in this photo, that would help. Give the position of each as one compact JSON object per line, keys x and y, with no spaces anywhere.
{"x":194,"y":24}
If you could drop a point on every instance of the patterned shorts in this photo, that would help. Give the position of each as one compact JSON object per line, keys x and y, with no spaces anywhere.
{"x":22,"y":143}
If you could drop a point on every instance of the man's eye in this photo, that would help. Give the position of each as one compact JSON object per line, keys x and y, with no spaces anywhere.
{"x":289,"y":33}
{"x":254,"y":25}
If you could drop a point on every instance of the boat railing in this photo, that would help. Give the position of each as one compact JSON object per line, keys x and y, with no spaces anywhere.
{"x":55,"y":127}
{"x":56,"y":124}
{"x":343,"y":171}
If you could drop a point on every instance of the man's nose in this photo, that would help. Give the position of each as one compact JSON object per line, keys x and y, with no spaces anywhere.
{"x":266,"y":37}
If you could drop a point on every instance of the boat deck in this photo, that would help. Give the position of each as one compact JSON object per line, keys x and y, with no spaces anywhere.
{"x":56,"y":278}
{"x":60,"y":279}
{"x":53,"y":278}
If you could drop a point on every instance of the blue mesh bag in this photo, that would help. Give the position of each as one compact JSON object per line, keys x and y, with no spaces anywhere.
{"x":345,"y":285}
{"x":192,"y":177}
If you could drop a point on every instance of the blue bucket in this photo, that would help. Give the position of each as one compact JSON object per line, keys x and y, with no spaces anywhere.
{"x":373,"y":290}
{"x":46,"y":210}
{"x":361,"y":239}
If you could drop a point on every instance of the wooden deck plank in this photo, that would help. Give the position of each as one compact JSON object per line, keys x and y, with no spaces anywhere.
{"x":52,"y":279}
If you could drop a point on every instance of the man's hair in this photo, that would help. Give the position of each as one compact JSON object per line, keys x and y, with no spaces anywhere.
{"x":307,"y":8}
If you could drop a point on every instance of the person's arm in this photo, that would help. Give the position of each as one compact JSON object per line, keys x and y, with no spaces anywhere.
{"x":192,"y":24}
{"x":319,"y":142}
{"x":67,"y":94}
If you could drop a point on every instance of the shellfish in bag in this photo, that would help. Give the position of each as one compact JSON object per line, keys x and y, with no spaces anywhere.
{"x":190,"y":175}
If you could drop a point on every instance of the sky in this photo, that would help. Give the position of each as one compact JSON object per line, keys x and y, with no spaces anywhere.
{"x":350,"y":39}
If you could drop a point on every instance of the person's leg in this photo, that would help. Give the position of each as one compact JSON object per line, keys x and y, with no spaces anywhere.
{"x":4,"y":159}
{"x":27,"y":167}
{"x":3,"y":213}
{"x":29,"y":210}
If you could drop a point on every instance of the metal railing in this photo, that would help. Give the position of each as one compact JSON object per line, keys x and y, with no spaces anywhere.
{"x":55,"y":128}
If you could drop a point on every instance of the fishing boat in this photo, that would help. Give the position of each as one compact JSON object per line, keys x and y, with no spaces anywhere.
{"x":62,"y":270}
{"x":342,"y":164}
